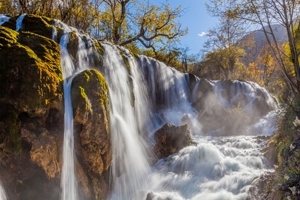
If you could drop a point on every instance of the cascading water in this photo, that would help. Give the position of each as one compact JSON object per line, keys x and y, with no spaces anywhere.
{"x":3,"y":19}
{"x":19,"y":22}
{"x":68,"y":180}
{"x":144,"y":95}
{"x":2,"y":193}
{"x":169,"y":93}
{"x":129,"y":162}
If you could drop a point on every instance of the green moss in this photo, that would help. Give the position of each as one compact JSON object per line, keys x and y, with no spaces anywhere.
{"x":98,"y":59}
{"x":30,"y":71}
{"x":86,"y":99}
{"x":98,"y":46}
{"x":90,"y":87}
{"x":38,"y":25}
{"x":8,"y":37}
{"x":73,"y":45}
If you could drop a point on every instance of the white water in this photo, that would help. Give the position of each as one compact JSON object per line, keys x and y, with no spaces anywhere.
{"x":142,"y":98}
{"x":129,"y":161}
{"x":68,"y":180}
{"x":2,"y":193}
{"x":215,"y":168}
{"x":19,"y":22}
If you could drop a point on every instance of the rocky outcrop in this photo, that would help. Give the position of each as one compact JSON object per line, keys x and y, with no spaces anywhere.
{"x":31,"y":119}
{"x":32,"y":116}
{"x":171,"y":139}
{"x":91,"y":120}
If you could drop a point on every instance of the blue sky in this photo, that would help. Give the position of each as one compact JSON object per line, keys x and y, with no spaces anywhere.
{"x":196,"y":18}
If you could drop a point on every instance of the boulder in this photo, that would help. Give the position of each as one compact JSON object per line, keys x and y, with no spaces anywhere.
{"x":91,"y":121}
{"x":171,"y":139}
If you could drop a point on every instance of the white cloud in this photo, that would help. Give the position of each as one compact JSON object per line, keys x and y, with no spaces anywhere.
{"x":202,"y":34}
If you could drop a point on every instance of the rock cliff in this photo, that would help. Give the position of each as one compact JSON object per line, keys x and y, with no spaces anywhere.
{"x":32,"y":116}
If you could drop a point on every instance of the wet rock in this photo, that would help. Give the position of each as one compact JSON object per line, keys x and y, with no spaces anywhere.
{"x":32,"y":117}
{"x":171,"y":139}
{"x":91,"y":122}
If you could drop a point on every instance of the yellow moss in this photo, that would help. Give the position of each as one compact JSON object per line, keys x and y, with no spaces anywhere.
{"x":33,"y":79}
{"x":98,"y":59}
{"x":86,"y":99}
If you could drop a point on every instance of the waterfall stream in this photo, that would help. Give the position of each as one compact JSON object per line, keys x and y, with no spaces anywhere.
{"x":214,"y":168}
{"x":69,"y":68}
{"x":129,"y":162}
{"x":19,"y":22}
{"x":145,"y":94}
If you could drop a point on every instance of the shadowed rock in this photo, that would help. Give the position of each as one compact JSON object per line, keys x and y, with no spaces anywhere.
{"x":171,"y":139}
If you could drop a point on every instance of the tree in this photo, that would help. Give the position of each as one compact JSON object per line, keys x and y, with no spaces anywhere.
{"x":224,"y":63}
{"x":267,"y":13}
{"x":223,"y":46}
{"x":129,"y":21}
{"x":81,"y":14}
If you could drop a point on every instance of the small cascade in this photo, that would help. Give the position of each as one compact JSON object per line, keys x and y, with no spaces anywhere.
{"x":2,"y":193}
{"x":246,"y":95}
{"x":54,"y":33}
{"x":19,"y":22}
{"x":170,"y":94}
{"x":68,"y":181}
{"x":167,"y":86}
{"x":3,"y":19}
{"x":129,"y":162}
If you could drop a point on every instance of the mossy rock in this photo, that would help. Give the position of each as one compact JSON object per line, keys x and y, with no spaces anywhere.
{"x":8,"y":37}
{"x":30,"y":71}
{"x":90,"y":102}
{"x":9,"y":130}
{"x":38,"y":25}
{"x":89,"y":85}
{"x":73,"y":45}
{"x":98,"y":59}
{"x":11,"y":23}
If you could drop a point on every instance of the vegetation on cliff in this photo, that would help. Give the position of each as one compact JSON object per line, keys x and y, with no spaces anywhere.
{"x":31,"y":114}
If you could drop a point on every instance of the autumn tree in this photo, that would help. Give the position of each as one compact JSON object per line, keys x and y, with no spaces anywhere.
{"x":222,"y":49}
{"x":6,"y":7}
{"x":128,"y":21}
{"x":223,"y":63}
{"x":266,"y":14}
{"x":81,"y":14}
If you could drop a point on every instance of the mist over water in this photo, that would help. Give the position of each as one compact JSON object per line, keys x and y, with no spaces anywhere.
{"x":214,"y":168}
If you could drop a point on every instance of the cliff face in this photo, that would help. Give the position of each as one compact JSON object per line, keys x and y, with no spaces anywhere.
{"x":32,"y":116}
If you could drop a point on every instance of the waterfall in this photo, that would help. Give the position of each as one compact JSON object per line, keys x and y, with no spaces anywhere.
{"x":3,"y":19}
{"x":144,"y":95}
{"x":129,"y":162}
{"x":68,"y":180}
{"x":2,"y":193}
{"x":19,"y":22}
